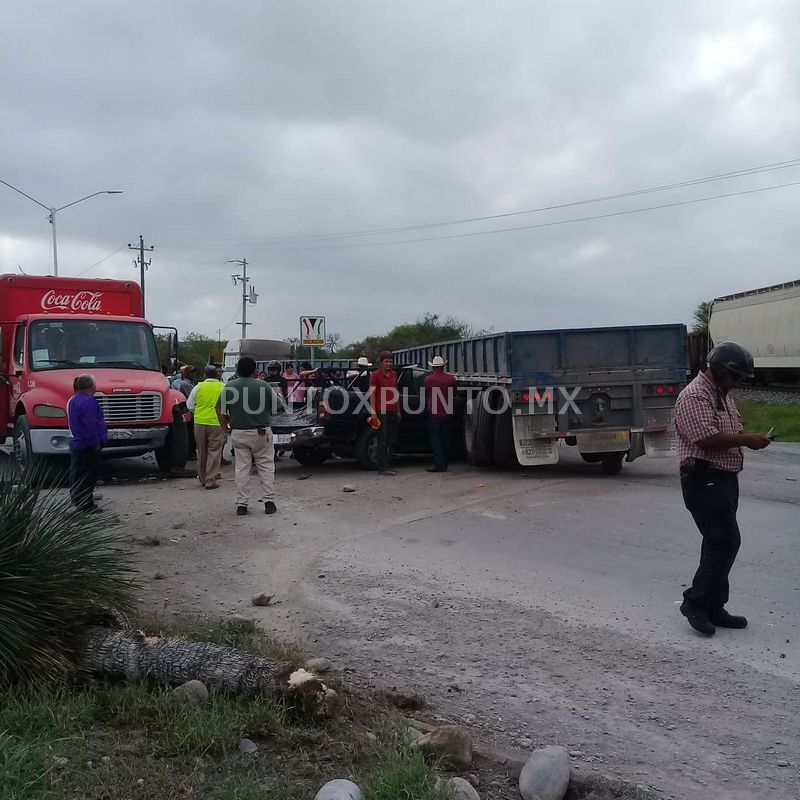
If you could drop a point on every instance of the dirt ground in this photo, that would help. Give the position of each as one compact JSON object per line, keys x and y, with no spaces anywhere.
{"x":534,"y":607}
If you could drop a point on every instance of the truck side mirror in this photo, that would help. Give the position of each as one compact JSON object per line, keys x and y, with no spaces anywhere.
{"x":172,"y":345}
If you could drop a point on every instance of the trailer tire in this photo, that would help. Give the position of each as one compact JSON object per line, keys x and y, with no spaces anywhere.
{"x":505,"y":453}
{"x":483,"y":447}
{"x":592,"y":458}
{"x":29,"y":467}
{"x":310,"y":456}
{"x":611,"y":463}
{"x":367,"y":449}
{"x":175,"y":452}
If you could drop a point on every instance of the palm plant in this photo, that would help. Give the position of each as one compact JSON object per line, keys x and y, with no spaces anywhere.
{"x":64,"y":575}
{"x":61,"y":571}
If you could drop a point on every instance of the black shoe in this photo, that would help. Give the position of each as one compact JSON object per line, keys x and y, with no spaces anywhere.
{"x":698,"y":619}
{"x":241,"y":511}
{"x":269,"y":507}
{"x":388,"y":472}
{"x":721,"y":618}
{"x":433,"y":469}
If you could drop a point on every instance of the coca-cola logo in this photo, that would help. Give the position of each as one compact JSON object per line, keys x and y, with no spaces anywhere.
{"x":78,"y":301}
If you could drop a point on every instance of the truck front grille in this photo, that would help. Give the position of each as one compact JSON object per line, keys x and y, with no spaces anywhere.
{"x":144,"y":407}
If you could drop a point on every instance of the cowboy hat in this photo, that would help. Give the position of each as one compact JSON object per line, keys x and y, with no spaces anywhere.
{"x":363,"y":362}
{"x":438,"y":361}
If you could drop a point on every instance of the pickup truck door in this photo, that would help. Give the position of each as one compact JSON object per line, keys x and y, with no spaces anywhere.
{"x":412,"y":435}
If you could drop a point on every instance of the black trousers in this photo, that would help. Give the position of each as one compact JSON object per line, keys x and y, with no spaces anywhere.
{"x":386,"y":437}
{"x":84,"y":467}
{"x":439,"y":429}
{"x":712,"y":497}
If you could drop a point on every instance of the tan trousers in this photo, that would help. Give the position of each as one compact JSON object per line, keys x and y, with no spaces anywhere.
{"x":252,"y":449}
{"x":210,"y":441}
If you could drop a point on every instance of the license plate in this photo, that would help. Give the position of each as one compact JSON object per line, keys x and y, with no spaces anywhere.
{"x":603,"y":441}
{"x":120,"y":434}
{"x":283,"y":438}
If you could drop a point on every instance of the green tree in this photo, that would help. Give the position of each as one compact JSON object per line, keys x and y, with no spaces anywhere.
{"x":195,"y":349}
{"x":428,"y":329}
{"x":701,"y":316}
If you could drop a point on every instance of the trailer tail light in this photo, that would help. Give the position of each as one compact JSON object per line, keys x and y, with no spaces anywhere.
{"x":323,"y":412}
{"x":662,"y":389}
{"x":536,"y":396}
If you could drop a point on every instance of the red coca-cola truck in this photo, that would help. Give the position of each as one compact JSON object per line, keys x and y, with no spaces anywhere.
{"x":54,"y":329}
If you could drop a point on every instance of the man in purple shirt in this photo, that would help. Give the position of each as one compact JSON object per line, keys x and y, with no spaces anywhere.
{"x":88,"y":433}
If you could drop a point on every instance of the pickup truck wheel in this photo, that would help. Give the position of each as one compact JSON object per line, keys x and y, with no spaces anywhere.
{"x":30,"y":467}
{"x":505,"y":454}
{"x":483,"y":448}
{"x":367,"y":449}
{"x":611,"y":463}
{"x":310,"y":456}
{"x":175,"y":452}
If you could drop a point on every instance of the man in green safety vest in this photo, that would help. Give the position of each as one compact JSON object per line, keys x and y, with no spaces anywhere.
{"x":208,"y":433}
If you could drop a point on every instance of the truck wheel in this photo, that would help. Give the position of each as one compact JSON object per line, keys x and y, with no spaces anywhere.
{"x":367,"y":449}
{"x":483,"y":448}
{"x":592,"y":458}
{"x":505,"y":454}
{"x":310,"y":456}
{"x":175,"y":452}
{"x":611,"y":463}
{"x":30,"y":467}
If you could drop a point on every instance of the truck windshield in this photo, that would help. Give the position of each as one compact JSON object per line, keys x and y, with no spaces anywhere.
{"x":70,"y":344}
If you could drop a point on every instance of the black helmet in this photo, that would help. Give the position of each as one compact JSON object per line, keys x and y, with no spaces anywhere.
{"x":732,"y":357}
{"x":274,"y":365}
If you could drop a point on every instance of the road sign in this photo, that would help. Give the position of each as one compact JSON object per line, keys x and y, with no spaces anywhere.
{"x":312,"y":331}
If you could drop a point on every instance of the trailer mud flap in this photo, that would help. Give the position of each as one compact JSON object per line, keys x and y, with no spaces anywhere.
{"x":663,"y":444}
{"x":532,"y":450}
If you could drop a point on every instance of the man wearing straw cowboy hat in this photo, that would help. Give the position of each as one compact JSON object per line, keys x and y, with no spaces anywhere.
{"x":440,"y":396}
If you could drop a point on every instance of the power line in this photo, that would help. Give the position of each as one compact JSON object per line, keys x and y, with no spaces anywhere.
{"x":98,"y":263}
{"x":757,"y":170}
{"x":554,"y":223}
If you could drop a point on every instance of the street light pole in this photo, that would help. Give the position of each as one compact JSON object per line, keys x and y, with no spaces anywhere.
{"x":52,"y":211}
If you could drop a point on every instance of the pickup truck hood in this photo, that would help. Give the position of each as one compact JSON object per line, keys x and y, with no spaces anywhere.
{"x":288,"y":421}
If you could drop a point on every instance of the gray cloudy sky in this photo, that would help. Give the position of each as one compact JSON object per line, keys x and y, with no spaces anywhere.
{"x":228,"y":125}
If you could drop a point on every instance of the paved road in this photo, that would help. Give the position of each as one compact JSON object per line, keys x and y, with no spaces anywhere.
{"x":542,"y":606}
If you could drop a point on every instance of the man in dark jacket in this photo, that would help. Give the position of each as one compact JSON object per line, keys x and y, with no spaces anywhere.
{"x":88,"y":433}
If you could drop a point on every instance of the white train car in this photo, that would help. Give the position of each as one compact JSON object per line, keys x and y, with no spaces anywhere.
{"x":767,"y":322}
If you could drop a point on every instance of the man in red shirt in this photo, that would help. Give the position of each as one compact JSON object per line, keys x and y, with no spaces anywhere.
{"x":384,"y":404}
{"x":440,"y":395}
{"x":710,"y":441}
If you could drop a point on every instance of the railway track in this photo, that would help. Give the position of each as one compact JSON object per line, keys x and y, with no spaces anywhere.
{"x":775,"y":394}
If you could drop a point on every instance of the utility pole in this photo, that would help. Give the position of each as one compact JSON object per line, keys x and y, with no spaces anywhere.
{"x":248,"y":295}
{"x":137,"y":262}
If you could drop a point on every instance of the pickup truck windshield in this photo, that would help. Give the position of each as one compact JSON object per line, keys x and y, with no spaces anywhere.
{"x":71,"y":344}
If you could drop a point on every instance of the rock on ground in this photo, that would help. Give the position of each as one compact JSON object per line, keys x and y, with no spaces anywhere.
{"x":247,"y":747}
{"x":450,"y":743}
{"x":191,"y":694}
{"x":318,"y":665}
{"x":242,"y":624}
{"x":339,"y":789}
{"x":545,"y":776}
{"x":261,"y":599}
{"x":461,"y":789}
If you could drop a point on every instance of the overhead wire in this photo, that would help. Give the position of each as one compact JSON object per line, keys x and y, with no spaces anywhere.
{"x":299,"y":238}
{"x":360,"y":245}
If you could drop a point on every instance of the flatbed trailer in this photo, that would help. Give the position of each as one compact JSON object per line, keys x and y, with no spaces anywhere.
{"x":608,"y":391}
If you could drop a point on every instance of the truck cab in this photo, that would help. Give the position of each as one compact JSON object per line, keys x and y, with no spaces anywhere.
{"x":54,"y":329}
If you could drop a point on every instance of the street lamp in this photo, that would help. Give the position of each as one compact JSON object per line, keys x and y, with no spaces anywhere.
{"x":52,"y":213}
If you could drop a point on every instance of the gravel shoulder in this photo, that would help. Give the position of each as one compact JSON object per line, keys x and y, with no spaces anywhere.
{"x":538,"y":608}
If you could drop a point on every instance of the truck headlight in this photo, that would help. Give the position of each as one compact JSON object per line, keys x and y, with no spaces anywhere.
{"x":44,"y":410}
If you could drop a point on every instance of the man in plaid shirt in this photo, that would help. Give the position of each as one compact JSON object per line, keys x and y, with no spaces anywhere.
{"x":710,"y":441}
